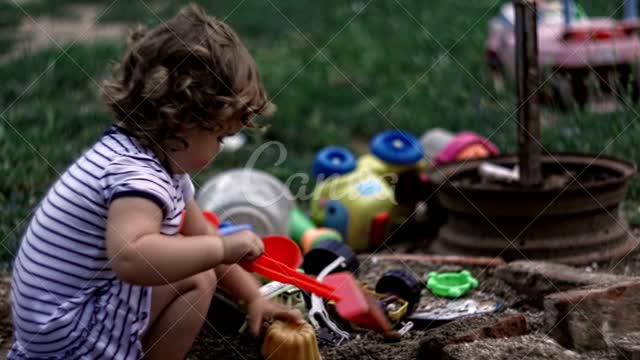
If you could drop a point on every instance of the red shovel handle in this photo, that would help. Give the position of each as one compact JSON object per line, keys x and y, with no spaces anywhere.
{"x":277,"y":271}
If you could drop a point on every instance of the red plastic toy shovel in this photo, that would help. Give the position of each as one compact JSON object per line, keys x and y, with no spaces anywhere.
{"x":279,"y":262}
{"x":269,"y":266}
{"x":282,"y":256}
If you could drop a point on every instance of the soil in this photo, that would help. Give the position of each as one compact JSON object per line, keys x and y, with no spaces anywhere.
{"x":366,"y":345}
{"x":530,"y":347}
{"x":369,"y":345}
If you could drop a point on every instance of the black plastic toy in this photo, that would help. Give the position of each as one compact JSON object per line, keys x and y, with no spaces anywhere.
{"x":402,"y":284}
{"x":325,"y":253}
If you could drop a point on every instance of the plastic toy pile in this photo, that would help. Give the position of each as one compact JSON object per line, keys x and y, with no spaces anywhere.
{"x":323,"y":286}
{"x":310,"y":262}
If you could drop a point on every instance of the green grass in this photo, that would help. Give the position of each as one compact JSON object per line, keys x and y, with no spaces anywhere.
{"x":355,"y":89}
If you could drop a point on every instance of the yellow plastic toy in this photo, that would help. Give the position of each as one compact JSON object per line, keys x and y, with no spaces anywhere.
{"x":356,"y":204}
{"x":358,"y":198}
{"x":395,"y":307}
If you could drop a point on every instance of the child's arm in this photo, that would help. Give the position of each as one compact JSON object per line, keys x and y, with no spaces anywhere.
{"x":239,"y":283}
{"x":141,"y":255}
{"x":232,"y":278}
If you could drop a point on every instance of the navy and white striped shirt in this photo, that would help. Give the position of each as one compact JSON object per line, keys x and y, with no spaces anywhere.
{"x":67,"y":302}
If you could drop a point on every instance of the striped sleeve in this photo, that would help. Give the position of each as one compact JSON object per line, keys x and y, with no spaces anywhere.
{"x":138,"y":176}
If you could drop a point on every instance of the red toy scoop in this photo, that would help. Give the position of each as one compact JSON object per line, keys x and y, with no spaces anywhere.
{"x":275,"y":264}
{"x":283,"y":249}
{"x":279,"y":262}
{"x":280,"y":259}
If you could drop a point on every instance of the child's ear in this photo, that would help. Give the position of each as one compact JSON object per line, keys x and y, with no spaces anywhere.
{"x":156,"y":84}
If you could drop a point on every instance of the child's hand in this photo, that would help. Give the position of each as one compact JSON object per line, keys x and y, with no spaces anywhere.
{"x":262,"y":308}
{"x":244,"y":245}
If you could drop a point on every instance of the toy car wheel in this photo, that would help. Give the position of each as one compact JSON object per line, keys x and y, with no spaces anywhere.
{"x":333,"y":160}
{"x":324,"y":253}
{"x":397,"y":147}
{"x":402,"y":284}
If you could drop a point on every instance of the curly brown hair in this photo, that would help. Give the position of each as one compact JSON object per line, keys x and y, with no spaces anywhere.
{"x":189,"y":72}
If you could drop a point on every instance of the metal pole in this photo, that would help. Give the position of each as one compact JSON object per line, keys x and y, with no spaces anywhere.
{"x":568,"y":9}
{"x":528,"y":80}
{"x":630,"y":9}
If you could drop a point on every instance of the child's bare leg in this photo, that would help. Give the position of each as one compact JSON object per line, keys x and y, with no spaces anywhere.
{"x":177,"y":314}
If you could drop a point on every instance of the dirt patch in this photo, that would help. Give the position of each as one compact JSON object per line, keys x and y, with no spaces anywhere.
{"x":44,"y":32}
{"x":365,"y":345}
{"x":532,"y":347}
{"x":368,"y":345}
{"x":211,"y":344}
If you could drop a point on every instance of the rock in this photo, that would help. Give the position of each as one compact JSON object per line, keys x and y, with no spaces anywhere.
{"x":536,"y":279}
{"x":628,"y":347}
{"x":530,"y":347}
{"x":468,"y":330}
{"x":590,"y":319}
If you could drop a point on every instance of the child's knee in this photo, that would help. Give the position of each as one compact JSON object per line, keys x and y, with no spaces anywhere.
{"x":206,"y":281}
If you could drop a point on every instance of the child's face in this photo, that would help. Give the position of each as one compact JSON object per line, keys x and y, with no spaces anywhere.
{"x":205,"y":145}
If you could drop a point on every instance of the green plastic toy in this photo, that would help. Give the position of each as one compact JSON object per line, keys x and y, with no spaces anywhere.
{"x":305,"y":233}
{"x":451,"y":284}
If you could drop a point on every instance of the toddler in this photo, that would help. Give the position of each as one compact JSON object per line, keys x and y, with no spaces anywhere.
{"x":118,"y":261}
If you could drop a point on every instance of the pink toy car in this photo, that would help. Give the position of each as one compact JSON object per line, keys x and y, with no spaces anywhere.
{"x":582,"y":51}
